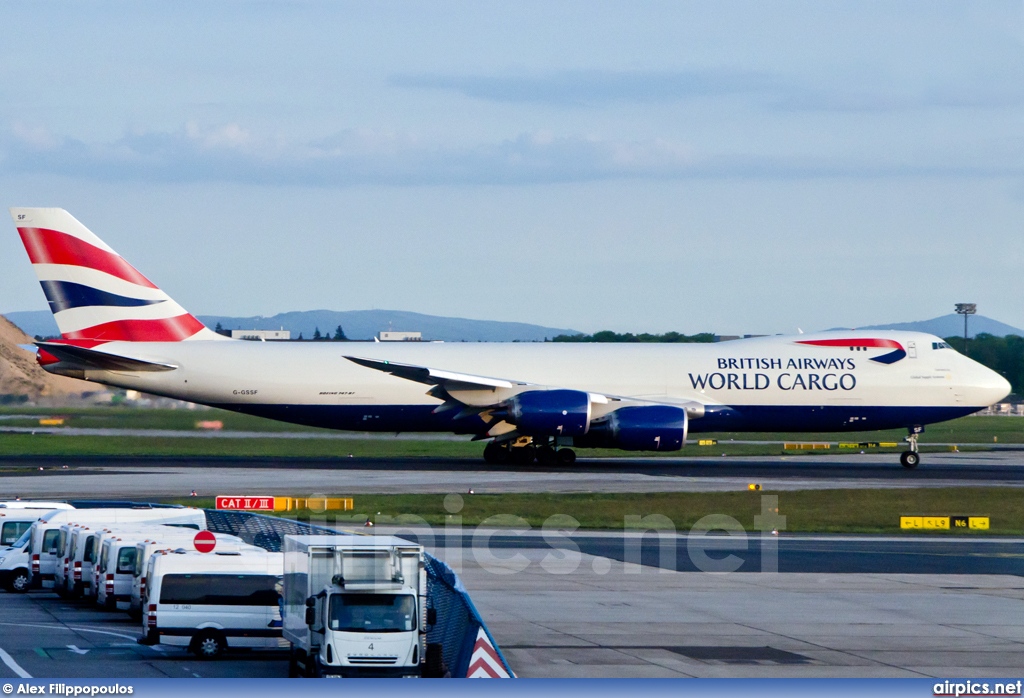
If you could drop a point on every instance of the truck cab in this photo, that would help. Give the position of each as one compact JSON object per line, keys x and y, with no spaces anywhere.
{"x":366,"y":626}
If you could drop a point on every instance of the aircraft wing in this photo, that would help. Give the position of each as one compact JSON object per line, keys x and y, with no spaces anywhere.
{"x":93,"y":360}
{"x":488,"y":397}
{"x":433,"y":376}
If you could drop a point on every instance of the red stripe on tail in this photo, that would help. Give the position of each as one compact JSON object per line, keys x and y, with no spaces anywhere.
{"x":46,"y":246}
{"x":173,"y":329}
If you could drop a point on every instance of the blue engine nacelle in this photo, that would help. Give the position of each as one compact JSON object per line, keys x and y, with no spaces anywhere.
{"x":648,"y":428}
{"x":550,"y":412}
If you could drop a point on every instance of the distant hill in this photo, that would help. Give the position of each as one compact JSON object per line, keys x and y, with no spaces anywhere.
{"x":364,"y":324}
{"x":358,"y":324}
{"x":952,"y":325}
{"x":22,"y":380}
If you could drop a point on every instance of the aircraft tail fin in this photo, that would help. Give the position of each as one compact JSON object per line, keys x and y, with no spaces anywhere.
{"x":94,"y":294}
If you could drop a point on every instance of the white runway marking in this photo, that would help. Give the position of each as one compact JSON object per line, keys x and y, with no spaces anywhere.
{"x":14,"y":666}
{"x":71,"y":627}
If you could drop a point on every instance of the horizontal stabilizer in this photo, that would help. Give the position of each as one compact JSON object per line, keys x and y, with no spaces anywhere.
{"x":93,"y":360}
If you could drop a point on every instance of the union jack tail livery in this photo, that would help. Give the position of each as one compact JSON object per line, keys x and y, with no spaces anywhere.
{"x":95,"y":295}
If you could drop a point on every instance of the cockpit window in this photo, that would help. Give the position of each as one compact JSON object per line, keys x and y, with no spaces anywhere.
{"x":940,"y":345}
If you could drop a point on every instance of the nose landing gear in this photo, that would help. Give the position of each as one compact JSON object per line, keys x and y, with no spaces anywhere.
{"x":910,"y":459}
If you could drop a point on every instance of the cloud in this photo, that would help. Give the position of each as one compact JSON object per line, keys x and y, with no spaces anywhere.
{"x":1002,"y":86}
{"x":593,"y":87}
{"x":231,"y":153}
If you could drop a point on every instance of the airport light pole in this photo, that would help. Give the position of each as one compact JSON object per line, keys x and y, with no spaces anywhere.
{"x":966,"y":309}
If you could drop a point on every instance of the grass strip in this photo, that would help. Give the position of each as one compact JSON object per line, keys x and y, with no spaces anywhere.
{"x":806,"y":511}
{"x":978,"y":431}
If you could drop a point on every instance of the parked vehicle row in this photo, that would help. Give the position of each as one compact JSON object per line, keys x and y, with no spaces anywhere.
{"x":343,"y":605}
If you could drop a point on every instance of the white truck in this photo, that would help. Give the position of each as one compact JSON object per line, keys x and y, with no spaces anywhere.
{"x":355,"y":606}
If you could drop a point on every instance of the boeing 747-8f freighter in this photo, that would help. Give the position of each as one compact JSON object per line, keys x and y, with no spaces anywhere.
{"x":528,"y":400}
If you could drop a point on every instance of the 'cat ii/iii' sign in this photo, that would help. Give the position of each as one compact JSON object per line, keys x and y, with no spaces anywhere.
{"x":257,"y":503}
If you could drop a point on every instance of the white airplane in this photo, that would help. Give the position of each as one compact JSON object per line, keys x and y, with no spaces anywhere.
{"x":530,"y":400}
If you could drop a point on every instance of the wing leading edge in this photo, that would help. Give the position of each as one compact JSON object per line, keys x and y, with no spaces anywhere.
{"x":497,"y":400}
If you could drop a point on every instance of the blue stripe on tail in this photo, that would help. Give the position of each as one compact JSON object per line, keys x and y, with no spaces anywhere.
{"x":63,"y":295}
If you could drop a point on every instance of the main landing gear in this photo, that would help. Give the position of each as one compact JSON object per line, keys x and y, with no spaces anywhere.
{"x":910,"y":459}
{"x":524,"y":451}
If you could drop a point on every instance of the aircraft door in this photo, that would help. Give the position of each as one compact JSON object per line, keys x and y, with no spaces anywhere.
{"x":912,"y":350}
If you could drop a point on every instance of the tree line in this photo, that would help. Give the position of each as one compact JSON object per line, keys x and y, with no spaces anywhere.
{"x":1004,"y":355}
{"x":629,"y":337}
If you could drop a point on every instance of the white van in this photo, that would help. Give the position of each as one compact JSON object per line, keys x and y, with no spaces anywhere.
{"x":45,"y":531}
{"x":16,"y":519}
{"x":67,"y":542}
{"x":116,"y":565}
{"x":14,"y":522}
{"x":14,"y":565}
{"x":171,"y":541}
{"x":80,"y":553}
{"x":34,"y":504}
{"x":210,"y":602}
{"x":102,"y":568}
{"x":75,"y":545}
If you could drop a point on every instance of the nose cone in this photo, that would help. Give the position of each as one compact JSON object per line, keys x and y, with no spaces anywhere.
{"x":978,"y":385}
{"x":990,"y":386}
{"x":1002,"y":387}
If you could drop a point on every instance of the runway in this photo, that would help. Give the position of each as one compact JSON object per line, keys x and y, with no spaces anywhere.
{"x":749,"y":552}
{"x":139,"y":477}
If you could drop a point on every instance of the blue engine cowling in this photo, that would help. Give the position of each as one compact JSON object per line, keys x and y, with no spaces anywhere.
{"x":648,"y":428}
{"x":550,"y":412}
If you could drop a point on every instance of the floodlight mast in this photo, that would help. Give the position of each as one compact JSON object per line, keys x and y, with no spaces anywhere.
{"x":966,"y":309}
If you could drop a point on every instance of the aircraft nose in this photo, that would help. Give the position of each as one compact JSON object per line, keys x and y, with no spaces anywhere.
{"x":993,"y":386}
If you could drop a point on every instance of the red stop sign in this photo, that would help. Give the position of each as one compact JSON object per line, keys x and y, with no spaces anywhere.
{"x":204,"y":541}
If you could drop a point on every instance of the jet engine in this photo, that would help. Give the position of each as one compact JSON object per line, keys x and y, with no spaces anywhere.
{"x":550,"y":412}
{"x":644,"y":428}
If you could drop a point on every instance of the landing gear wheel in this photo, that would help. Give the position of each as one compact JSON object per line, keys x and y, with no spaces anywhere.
{"x":523,"y":455}
{"x":208,"y":644}
{"x":496,"y":454}
{"x":909,"y":460}
{"x":566,"y":456}
{"x":547,"y":455}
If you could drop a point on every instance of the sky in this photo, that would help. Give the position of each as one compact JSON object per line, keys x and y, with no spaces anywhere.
{"x":732,"y":167}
